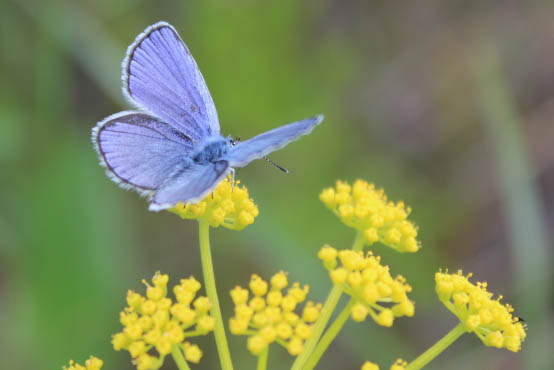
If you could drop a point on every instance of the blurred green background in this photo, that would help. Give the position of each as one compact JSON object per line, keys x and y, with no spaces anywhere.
{"x":448,"y":105}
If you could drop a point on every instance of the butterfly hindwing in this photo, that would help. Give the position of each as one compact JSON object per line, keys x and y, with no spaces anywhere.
{"x":189,"y":185}
{"x":138,"y":150}
{"x":161,"y":76}
{"x":260,"y":146}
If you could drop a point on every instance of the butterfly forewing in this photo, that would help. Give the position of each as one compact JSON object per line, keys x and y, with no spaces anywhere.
{"x":139,"y":150}
{"x":260,"y":146}
{"x":161,"y":76}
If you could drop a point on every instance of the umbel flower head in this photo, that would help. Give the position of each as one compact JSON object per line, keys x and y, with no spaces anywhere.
{"x":156,"y":324}
{"x":489,"y":319}
{"x":399,"y":364}
{"x":228,"y":206}
{"x":365,"y":208}
{"x":93,"y":363}
{"x":374,"y":290}
{"x":270,"y":315}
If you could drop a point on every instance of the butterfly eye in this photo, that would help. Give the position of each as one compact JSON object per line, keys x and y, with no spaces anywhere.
{"x":235,"y":141}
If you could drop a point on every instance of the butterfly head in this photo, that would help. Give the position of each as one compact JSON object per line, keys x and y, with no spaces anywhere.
{"x":233,"y":142}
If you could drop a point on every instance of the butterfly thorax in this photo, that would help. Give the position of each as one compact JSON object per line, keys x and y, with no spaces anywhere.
{"x":212,"y":151}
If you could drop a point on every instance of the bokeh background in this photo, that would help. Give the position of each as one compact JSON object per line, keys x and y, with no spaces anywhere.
{"x":448,"y":105}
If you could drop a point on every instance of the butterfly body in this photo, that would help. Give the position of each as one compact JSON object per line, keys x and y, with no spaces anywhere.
{"x":171,"y":149}
{"x":214,"y":150}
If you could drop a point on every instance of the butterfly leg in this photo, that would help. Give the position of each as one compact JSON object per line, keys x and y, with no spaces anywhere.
{"x":232,"y":178}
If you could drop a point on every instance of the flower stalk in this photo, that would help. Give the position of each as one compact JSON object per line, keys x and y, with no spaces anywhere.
{"x":179,"y":358}
{"x":209,"y":282}
{"x":262,"y":359}
{"x":329,"y":336}
{"x":325,"y":316}
{"x":437,"y":348}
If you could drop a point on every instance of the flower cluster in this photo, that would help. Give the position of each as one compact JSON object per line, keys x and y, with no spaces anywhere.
{"x":228,"y":206}
{"x":269,"y":316}
{"x":93,"y":363}
{"x":366,"y":209}
{"x":399,"y":364}
{"x":370,"y":284}
{"x":156,"y":322}
{"x":489,"y":319}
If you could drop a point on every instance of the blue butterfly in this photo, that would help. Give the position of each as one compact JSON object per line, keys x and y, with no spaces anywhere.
{"x":171,"y":150}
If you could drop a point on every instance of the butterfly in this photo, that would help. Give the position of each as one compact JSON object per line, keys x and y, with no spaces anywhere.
{"x":171,"y":149}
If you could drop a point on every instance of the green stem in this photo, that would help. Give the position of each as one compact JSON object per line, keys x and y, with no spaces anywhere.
{"x":262,"y":359}
{"x":178,"y":357}
{"x":437,"y":348}
{"x":209,"y":282}
{"x":325,"y":315}
{"x":329,"y":336}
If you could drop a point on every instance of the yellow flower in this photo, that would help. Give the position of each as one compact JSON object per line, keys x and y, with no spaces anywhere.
{"x":369,"y":366}
{"x":489,"y":319}
{"x":156,"y":323}
{"x":227,"y":206}
{"x":365,"y":208}
{"x":93,"y":363}
{"x":193,"y":353}
{"x":374,"y":290}
{"x":399,"y":364}
{"x":269,"y":315}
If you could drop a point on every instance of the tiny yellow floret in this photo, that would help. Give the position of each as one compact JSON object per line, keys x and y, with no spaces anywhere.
{"x":311,"y":311}
{"x":328,"y":255}
{"x":385,"y":318}
{"x":93,"y":363}
{"x":279,"y":280}
{"x":202,"y":304}
{"x":295,"y":346}
{"x":256,"y":344}
{"x":369,"y":366}
{"x":146,"y":362}
{"x":205,"y":324}
{"x":359,"y":312}
{"x":239,"y":295}
{"x":258,"y":286}
{"x":193,"y":353}
{"x":399,"y":364}
{"x":338,"y":275}
{"x":238,"y":326}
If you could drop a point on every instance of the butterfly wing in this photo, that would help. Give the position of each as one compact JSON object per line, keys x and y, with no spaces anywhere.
{"x":189,"y":185}
{"x":139,"y":151}
{"x":260,"y":146}
{"x":161,"y":76}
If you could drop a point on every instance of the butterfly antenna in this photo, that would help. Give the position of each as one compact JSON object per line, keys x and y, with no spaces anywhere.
{"x":276,"y":165}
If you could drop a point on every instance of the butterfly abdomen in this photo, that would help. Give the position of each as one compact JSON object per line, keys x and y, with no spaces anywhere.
{"x":212,"y":151}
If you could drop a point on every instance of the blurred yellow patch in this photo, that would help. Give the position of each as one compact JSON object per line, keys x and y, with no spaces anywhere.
{"x":93,"y":363}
